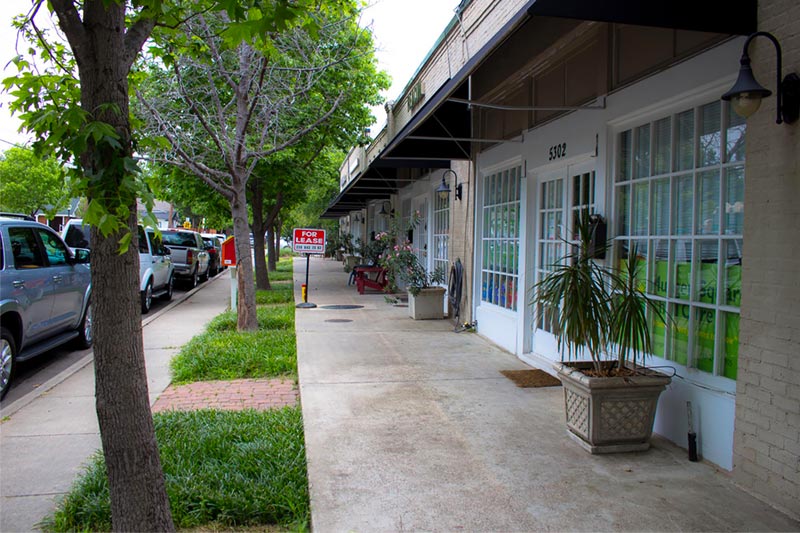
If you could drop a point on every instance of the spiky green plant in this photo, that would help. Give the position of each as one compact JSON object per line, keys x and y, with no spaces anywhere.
{"x":596,"y":308}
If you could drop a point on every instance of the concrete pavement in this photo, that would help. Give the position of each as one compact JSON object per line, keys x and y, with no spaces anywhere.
{"x":47,"y":435}
{"x":411,"y":427}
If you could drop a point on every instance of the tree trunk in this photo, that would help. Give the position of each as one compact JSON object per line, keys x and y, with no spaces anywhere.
{"x":272,"y":216}
{"x":138,"y":495}
{"x":259,"y":227}
{"x":272,"y":254}
{"x":278,"y":225}
{"x":246,"y":303}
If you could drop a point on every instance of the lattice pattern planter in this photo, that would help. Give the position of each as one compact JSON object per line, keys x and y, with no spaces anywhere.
{"x":610,"y":415}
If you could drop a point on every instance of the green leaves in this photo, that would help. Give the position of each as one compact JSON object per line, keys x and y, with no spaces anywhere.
{"x":29,"y":183}
{"x":593,"y":308}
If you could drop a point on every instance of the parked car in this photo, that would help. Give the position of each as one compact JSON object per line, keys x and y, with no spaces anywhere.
{"x":156,"y":271}
{"x":189,"y":255}
{"x":45,"y":294}
{"x":214,"y":250}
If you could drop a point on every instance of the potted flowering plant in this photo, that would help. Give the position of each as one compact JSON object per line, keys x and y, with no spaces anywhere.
{"x":611,"y":399}
{"x":425,"y":297}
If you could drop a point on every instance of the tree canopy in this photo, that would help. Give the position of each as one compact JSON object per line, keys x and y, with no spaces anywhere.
{"x":218,"y":110}
{"x":30,"y":184}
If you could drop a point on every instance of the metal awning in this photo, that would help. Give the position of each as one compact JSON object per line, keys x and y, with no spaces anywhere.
{"x":734,"y":17}
{"x":377,"y":182}
{"x":441,"y":130}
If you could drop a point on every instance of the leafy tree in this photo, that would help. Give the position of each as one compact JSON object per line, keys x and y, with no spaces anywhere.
{"x":74,"y":98}
{"x":222,"y":108}
{"x":30,"y":184}
{"x":191,"y":197}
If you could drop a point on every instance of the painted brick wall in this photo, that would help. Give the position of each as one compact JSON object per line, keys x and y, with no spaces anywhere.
{"x":767,"y":430}
{"x":462,"y":236}
{"x":480,"y":22}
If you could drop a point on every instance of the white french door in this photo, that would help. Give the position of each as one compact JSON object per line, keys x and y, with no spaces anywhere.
{"x":420,"y":242}
{"x":561,"y":195}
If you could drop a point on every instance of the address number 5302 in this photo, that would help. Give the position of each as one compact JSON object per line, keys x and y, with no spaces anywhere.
{"x":558,"y":151}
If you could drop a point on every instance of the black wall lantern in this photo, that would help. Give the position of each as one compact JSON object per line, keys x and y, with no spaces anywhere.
{"x":746,"y":94}
{"x":443,"y":190}
{"x":383,"y":211}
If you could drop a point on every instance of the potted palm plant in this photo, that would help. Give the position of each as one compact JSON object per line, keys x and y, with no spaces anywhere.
{"x":601,"y":313}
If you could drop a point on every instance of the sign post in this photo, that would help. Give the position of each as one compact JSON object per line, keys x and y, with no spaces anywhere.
{"x":308,"y":241}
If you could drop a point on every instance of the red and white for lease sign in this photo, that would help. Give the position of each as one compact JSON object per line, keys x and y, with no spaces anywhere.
{"x":308,"y":241}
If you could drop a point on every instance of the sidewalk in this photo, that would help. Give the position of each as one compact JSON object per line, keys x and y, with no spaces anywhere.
{"x":411,"y":427}
{"x":47,"y":436}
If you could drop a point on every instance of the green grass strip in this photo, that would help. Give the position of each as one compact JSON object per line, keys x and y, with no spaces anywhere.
{"x":230,"y":355}
{"x":272,"y":317}
{"x":279,"y":294}
{"x":228,"y":468}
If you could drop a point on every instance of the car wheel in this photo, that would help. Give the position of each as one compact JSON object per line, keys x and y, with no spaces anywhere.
{"x":192,"y":281}
{"x":168,"y":295}
{"x":204,"y":277}
{"x":7,"y":355}
{"x":147,"y":297}
{"x":86,"y":330}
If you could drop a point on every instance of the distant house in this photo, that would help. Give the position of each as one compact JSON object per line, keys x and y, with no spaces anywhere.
{"x":61,"y":217}
{"x":164,"y":213}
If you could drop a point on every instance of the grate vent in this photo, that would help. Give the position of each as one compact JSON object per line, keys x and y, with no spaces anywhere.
{"x":341,"y":306}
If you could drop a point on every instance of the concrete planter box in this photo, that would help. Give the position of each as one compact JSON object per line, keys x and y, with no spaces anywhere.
{"x":350,"y":261}
{"x":610,"y":415}
{"x":427,"y":305}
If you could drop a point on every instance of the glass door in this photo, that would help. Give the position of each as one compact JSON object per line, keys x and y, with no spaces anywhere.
{"x":420,"y":234}
{"x":562,"y":196}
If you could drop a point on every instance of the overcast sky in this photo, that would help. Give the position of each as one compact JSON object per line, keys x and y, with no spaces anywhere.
{"x":405,"y":30}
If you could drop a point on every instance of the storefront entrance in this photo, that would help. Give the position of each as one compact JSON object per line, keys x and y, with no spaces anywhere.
{"x":560,"y":196}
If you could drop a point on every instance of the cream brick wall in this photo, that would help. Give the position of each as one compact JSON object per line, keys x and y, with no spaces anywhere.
{"x":767,"y":430}
{"x":462,"y":237}
{"x":481,"y":20}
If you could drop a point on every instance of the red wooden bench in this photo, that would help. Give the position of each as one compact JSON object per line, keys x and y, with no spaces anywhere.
{"x":364,"y":281}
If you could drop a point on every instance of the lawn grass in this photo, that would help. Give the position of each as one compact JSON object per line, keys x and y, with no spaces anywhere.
{"x":269,"y":317}
{"x":230,"y":355}
{"x":278,"y":294}
{"x":222,"y":469}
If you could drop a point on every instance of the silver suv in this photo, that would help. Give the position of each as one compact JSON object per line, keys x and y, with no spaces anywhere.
{"x":45,"y":290}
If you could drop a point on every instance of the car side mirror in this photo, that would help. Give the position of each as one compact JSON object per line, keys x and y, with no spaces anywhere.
{"x":82,"y":255}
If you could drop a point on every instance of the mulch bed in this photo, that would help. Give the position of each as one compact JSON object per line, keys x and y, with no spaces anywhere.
{"x":531,"y":378}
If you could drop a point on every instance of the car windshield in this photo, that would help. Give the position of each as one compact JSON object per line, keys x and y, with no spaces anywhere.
{"x":180,"y":238}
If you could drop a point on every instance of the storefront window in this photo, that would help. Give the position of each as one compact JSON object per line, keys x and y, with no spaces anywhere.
{"x":686,"y":218}
{"x":500,"y":238}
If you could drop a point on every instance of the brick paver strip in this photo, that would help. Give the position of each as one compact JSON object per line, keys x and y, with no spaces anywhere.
{"x":229,"y":395}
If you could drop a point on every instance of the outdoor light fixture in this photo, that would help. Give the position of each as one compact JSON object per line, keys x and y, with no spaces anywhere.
{"x":383,"y":211}
{"x":358,"y":217}
{"x":746,"y":94}
{"x":443,"y":190}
